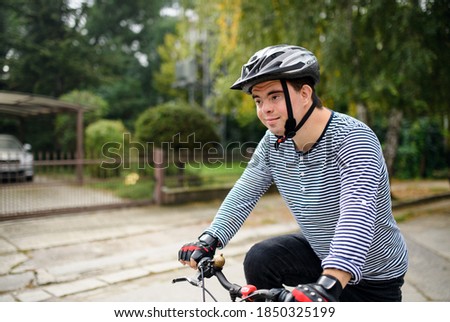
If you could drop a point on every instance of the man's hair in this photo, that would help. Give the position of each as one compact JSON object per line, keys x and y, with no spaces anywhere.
{"x":298,"y":83}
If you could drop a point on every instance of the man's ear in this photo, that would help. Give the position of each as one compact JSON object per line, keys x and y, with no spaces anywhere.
{"x":306,"y":93}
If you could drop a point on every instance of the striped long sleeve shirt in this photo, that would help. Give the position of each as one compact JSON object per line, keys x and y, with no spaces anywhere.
{"x":338,"y":193}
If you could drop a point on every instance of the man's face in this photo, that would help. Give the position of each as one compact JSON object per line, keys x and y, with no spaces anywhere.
{"x":271,"y":105}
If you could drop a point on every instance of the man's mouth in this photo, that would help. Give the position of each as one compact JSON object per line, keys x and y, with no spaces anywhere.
{"x":272,"y":120}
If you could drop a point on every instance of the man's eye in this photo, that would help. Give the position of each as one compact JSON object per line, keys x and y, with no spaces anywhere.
{"x":276,"y":98}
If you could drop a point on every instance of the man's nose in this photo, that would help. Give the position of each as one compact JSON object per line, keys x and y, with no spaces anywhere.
{"x":267,"y":107}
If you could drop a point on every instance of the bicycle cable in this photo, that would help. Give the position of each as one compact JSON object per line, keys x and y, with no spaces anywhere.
{"x":204,"y":290}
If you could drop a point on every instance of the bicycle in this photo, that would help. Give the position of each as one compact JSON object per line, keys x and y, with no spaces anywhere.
{"x":208,"y":268}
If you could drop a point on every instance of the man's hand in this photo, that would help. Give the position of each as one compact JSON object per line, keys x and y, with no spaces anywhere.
{"x":191,"y":253}
{"x":326,"y":289}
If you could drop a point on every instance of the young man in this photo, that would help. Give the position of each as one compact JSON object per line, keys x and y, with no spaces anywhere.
{"x":329,"y":169}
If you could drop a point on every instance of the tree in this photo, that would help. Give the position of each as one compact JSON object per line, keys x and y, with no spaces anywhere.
{"x":375,"y":60}
{"x":65,"y":124}
{"x":127,"y":36}
{"x":436,"y":26}
{"x":104,"y":46}
{"x":378,"y":59}
{"x":45,"y":53}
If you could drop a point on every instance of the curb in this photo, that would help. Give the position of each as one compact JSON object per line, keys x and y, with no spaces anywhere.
{"x":420,"y":201}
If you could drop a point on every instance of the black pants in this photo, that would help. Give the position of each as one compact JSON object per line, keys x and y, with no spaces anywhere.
{"x":289,"y":260}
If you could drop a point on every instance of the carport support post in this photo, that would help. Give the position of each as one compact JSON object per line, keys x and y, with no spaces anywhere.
{"x":80,"y":154}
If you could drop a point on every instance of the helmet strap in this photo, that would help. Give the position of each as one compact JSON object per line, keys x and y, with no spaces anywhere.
{"x":290,"y":127}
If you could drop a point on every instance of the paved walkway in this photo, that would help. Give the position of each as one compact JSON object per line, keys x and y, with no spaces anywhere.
{"x":130,"y":254}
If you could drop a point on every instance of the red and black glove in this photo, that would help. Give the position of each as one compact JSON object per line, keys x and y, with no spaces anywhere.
{"x":204,"y":247}
{"x":326,"y":289}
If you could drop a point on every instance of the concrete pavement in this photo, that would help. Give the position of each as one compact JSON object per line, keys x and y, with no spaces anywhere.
{"x":130,"y":254}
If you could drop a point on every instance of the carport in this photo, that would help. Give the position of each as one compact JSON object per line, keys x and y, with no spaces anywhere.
{"x":28,"y":105}
{"x":65,"y":181}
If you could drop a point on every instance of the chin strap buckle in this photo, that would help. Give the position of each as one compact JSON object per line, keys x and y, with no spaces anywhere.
{"x":280,"y":139}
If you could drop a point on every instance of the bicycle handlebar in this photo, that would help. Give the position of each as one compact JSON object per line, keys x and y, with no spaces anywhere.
{"x":213,"y":267}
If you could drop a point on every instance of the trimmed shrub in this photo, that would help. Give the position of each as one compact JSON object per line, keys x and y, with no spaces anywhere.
{"x":104,"y":139}
{"x":176,"y":125}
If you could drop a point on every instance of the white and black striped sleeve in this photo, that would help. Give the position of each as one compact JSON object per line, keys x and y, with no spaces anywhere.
{"x":243,"y":197}
{"x":360,"y":163}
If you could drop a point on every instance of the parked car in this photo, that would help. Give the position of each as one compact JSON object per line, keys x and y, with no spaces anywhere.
{"x":16,"y":159}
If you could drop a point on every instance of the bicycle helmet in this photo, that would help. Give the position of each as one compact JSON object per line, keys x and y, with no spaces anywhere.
{"x":281,"y":62}
{"x":277,"y":62}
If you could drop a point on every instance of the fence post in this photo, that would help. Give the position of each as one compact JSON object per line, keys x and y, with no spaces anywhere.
{"x":80,"y":147}
{"x":158,"y":161}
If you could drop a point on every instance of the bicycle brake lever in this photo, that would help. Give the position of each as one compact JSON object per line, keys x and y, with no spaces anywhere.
{"x":186,"y":279}
{"x":204,"y":272}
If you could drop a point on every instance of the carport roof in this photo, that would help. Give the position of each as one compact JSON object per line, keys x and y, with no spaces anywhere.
{"x":24,"y":104}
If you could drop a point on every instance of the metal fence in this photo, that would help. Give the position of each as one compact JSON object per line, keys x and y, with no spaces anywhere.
{"x":62,"y":183}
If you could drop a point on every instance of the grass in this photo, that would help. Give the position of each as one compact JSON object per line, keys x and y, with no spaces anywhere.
{"x":207,"y":175}
{"x":140,"y":189}
{"x":132,"y":186}
{"x":213,"y":175}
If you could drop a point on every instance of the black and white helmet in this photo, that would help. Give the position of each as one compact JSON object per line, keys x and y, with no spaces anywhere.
{"x":278,"y":62}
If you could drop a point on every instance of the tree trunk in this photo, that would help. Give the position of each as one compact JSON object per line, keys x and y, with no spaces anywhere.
{"x":392,"y":138}
{"x":447,"y":142}
{"x":361,"y":113}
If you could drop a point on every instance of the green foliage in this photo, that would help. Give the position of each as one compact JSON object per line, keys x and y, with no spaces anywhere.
{"x":141,"y":190}
{"x":126,"y":100}
{"x":44,"y":53}
{"x":435,"y":25}
{"x":105,"y":138}
{"x":97,"y":107}
{"x":101,"y":132}
{"x":176,"y":125}
{"x":378,"y":56}
{"x":165,"y":77}
{"x":127,"y":37}
{"x":373,"y":54}
{"x":105,"y":46}
{"x":65,"y":124}
{"x":382,"y":55}
{"x":420,"y":154}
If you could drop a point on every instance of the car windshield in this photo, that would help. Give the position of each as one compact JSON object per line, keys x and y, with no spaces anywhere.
{"x":10,"y":144}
